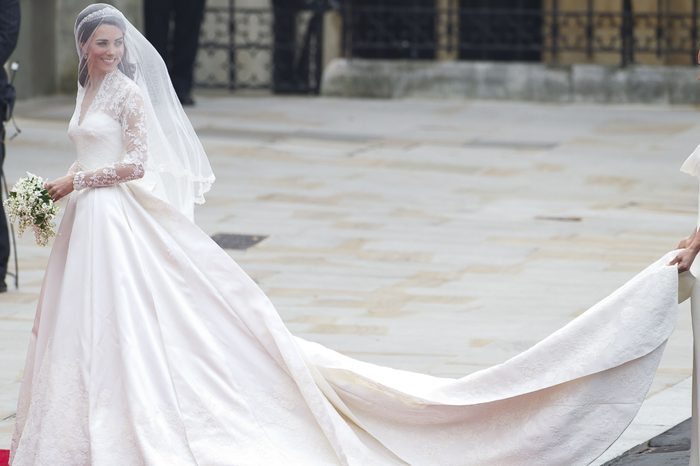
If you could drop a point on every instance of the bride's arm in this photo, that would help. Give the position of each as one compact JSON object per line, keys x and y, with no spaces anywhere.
{"x":685,"y":242}
{"x":131,"y":167}
{"x":689,"y":250}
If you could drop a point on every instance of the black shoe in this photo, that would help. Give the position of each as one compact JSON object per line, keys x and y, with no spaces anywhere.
{"x":3,"y":287}
{"x":187,"y":100}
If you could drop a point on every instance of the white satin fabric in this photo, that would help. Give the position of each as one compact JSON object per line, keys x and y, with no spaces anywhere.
{"x":691,"y":166}
{"x":152,"y":347}
{"x":694,"y":431}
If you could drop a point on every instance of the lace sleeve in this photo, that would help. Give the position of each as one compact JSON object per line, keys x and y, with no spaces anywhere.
{"x":131,"y":167}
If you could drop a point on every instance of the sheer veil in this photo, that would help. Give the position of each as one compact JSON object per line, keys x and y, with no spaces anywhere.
{"x":691,"y":166}
{"x":177,"y":168}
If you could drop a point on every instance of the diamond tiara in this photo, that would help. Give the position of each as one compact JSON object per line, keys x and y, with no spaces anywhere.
{"x":104,"y":12}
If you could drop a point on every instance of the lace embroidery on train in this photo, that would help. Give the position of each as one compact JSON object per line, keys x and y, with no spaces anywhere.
{"x":120,"y":99}
{"x":58,"y":399}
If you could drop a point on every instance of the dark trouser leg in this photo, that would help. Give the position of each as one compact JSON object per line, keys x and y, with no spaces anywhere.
{"x":157,"y":14}
{"x":4,"y":236}
{"x":283,"y":51}
{"x":188,"y":23}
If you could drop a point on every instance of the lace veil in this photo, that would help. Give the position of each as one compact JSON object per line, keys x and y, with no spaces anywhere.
{"x":691,"y":166}
{"x":177,"y":168}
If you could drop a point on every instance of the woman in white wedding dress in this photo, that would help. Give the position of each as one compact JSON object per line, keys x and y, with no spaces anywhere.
{"x":685,"y":261}
{"x":152,"y":347}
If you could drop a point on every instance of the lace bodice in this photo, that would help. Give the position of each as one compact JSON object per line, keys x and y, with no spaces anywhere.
{"x":109,"y":134}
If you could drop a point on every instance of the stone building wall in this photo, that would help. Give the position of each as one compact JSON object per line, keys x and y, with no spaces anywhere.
{"x":48,"y":59}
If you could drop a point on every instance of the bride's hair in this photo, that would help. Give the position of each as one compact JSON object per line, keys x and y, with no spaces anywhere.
{"x":86,"y":27}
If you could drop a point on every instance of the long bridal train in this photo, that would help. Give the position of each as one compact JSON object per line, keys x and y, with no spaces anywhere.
{"x":151,"y":346}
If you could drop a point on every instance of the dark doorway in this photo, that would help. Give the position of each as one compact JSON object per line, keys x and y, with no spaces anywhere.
{"x":399,"y":29}
{"x":500,"y":30}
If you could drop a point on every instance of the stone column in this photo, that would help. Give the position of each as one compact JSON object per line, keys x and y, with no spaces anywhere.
{"x":447,"y":29}
{"x":35,"y":51}
{"x":332,"y":36}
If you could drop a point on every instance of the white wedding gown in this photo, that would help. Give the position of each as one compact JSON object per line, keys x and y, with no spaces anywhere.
{"x":152,"y":347}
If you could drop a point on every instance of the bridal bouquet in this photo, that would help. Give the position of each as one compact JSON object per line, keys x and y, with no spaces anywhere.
{"x":30,"y":205}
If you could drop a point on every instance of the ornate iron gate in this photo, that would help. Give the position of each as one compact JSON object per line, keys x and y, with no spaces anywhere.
{"x":522,"y":30}
{"x":277,"y":48}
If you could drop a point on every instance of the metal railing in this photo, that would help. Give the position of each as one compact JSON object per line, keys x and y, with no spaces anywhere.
{"x":521,"y":33}
{"x":277,"y":48}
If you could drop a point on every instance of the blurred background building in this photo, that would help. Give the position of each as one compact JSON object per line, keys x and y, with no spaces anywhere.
{"x":558,"y":49}
{"x":615,"y":32}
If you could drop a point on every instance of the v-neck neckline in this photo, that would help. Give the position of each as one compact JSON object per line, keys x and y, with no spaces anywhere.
{"x":83,"y":112}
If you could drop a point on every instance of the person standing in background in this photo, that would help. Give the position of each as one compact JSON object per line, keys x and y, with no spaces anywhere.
{"x":9,"y":31}
{"x":179,"y":50}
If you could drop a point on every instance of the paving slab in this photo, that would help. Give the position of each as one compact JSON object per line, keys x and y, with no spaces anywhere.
{"x":673,"y":458}
{"x":671,"y":448}
{"x":441,"y":236}
{"x":677,"y":438}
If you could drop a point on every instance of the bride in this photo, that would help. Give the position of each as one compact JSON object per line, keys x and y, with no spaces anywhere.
{"x":151,"y":346}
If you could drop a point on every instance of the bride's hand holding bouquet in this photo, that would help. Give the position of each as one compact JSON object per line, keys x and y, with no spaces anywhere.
{"x":60,"y":187}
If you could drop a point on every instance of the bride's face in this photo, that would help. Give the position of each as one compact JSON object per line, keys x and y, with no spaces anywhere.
{"x":104,"y":50}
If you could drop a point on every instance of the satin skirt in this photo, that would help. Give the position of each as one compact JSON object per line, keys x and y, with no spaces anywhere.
{"x":151,"y":346}
{"x":694,"y":431}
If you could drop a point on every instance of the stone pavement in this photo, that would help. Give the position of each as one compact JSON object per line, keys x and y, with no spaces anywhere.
{"x":441,"y":236}
{"x":670,"y":448}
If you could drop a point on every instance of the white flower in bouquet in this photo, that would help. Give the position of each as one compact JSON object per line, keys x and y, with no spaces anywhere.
{"x":30,"y":206}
